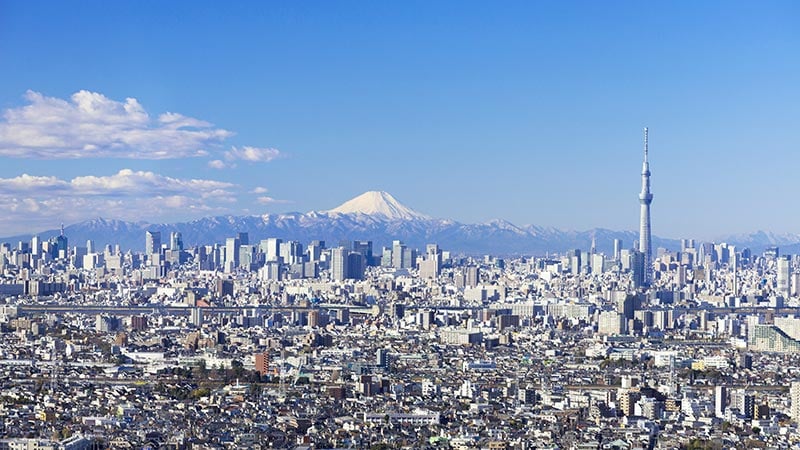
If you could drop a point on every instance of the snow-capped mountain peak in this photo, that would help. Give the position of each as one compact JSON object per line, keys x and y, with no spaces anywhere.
{"x":378,"y":203}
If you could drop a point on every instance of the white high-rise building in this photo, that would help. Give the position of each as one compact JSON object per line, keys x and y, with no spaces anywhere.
{"x":598,"y":263}
{"x":784,"y":270}
{"x":610,"y":322}
{"x":794,"y":394}
{"x":271,"y":248}
{"x":175,"y":241}
{"x":339,"y":263}
{"x":36,"y":245}
{"x":232,"y":254}
{"x":720,"y":400}
{"x":152,"y":242}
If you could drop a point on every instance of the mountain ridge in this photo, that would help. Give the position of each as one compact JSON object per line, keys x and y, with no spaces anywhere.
{"x":381,"y":219}
{"x":481,"y":238}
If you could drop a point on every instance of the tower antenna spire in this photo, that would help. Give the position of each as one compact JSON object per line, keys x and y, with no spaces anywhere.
{"x":645,"y":199}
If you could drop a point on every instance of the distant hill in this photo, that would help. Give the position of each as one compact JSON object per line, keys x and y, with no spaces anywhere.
{"x":379,"y":217}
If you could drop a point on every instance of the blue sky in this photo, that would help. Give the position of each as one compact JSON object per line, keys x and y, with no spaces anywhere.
{"x":528,"y":111}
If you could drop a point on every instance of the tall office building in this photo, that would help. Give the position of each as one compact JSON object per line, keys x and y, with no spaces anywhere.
{"x":314,"y":250}
{"x":784,"y":270}
{"x":232,"y":254}
{"x":152,"y":242}
{"x":645,"y":198}
{"x":291,"y":252}
{"x":365,"y":248}
{"x":574,"y":261}
{"x":346,"y":265}
{"x":36,"y":245}
{"x":271,"y":248}
{"x":598,"y":263}
{"x":355,"y":266}
{"x":398,"y":250}
{"x":431,"y":264}
{"x":339,"y":263}
{"x":472,"y":276}
{"x":61,"y":248}
{"x":175,"y":241}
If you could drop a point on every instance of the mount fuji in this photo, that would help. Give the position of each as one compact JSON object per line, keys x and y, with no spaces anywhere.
{"x":378,"y":204}
{"x":374,"y":215}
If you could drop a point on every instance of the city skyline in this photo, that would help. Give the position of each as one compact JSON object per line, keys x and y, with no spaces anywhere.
{"x":249,"y":109}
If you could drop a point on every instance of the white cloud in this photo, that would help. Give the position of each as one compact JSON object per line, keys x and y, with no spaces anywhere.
{"x":270,"y":201}
{"x":25,"y":183}
{"x":124,"y":182}
{"x":38,"y":202}
{"x":259,"y":190}
{"x":252,"y":154}
{"x":91,"y":125}
{"x":217,"y":164}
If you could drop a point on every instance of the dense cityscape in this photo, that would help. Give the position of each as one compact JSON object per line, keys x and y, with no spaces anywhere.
{"x":287,"y":344}
{"x":175,"y":272}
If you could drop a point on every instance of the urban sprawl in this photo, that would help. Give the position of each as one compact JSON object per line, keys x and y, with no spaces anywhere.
{"x":283,"y":344}
{"x":277,"y":344}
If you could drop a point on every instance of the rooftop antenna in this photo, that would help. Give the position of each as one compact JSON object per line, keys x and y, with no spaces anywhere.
{"x":62,"y":228}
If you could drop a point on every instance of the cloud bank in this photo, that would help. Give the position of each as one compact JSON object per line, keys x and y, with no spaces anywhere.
{"x":91,"y":125}
{"x":36,"y":202}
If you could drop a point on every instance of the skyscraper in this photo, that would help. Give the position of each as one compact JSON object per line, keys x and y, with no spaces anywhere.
{"x":152,"y":242}
{"x":232,"y":254}
{"x":784,"y":270}
{"x":62,"y":245}
{"x":398,"y":251}
{"x":645,"y":198}
{"x":271,"y":248}
{"x":339,"y":264}
{"x":617,"y":248}
{"x":355,"y":266}
{"x":175,"y":241}
{"x":365,"y":248}
{"x":36,"y":245}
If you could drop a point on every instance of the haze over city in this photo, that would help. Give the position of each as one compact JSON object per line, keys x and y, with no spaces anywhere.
{"x":529,"y":112}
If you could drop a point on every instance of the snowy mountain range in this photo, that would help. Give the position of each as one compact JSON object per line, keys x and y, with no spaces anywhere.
{"x":379,"y":217}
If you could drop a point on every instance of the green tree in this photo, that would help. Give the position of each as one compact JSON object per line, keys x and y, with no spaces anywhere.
{"x":238,"y":368}
{"x":199,"y":392}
